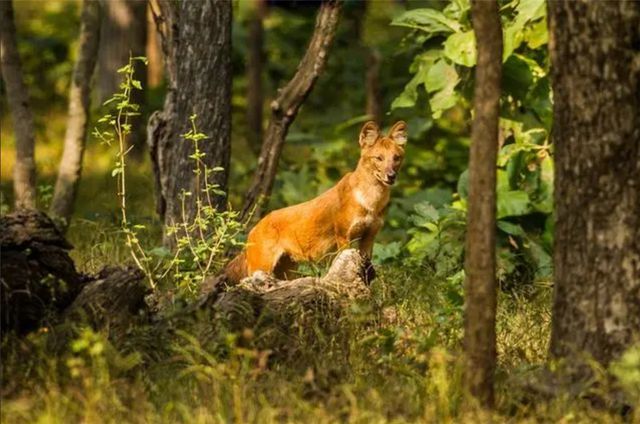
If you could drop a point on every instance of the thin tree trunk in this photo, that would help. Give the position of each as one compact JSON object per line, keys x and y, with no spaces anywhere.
{"x":153,"y":50}
{"x":78,"y":116}
{"x":123,"y":33}
{"x":197,"y":43}
{"x":596,"y":134}
{"x":255,"y":65}
{"x":286,"y":106}
{"x":24,"y":172}
{"x":480,"y":283}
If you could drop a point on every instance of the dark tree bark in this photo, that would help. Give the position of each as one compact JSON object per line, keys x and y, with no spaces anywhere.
{"x":286,"y":106}
{"x":596,"y":134}
{"x":480,"y":283}
{"x":197,"y":44}
{"x":123,"y":33}
{"x":24,"y":172}
{"x":255,"y":65}
{"x":78,"y":116}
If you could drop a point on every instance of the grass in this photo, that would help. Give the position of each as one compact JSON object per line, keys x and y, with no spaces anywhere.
{"x":394,"y":358}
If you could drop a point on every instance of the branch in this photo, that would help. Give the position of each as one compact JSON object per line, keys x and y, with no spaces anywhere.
{"x":286,"y":106}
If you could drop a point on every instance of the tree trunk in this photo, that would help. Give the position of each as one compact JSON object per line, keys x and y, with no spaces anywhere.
{"x":480,"y":283}
{"x":255,"y":62}
{"x":596,"y":134}
{"x":197,"y":43}
{"x":123,"y":33}
{"x":24,"y":172}
{"x":153,"y":50}
{"x":286,"y":106}
{"x":78,"y":116}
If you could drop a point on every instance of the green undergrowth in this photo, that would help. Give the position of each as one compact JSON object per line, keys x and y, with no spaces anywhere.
{"x":392,"y":358}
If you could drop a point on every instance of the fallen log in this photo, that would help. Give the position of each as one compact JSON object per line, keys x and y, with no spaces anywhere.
{"x":115,"y":298}
{"x":261,"y":302}
{"x":37,"y":276}
{"x":40,"y":285}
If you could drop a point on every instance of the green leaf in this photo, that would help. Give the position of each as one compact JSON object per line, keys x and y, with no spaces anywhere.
{"x":136,"y":84}
{"x":513,"y":35}
{"x":427,"y":210}
{"x":384,"y":252}
{"x":512,"y":203}
{"x":407,"y":98}
{"x":420,"y":67}
{"x":517,"y":76}
{"x":457,"y":9}
{"x":463,"y":184}
{"x":460,"y":47}
{"x":430,"y":21}
{"x":542,"y":259}
{"x":536,"y":35}
{"x":511,"y":228}
{"x":441,"y":80}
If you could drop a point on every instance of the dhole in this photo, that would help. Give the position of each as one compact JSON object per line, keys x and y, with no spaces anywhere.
{"x":350,"y":211}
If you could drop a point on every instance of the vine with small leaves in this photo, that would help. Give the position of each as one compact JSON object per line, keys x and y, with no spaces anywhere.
{"x":119,"y":124}
{"x":201,"y":240}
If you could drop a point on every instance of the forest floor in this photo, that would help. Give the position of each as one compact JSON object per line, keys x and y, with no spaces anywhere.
{"x":392,"y":358}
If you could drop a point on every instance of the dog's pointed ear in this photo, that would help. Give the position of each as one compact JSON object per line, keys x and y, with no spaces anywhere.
{"x":369,"y":134}
{"x":398,"y":133}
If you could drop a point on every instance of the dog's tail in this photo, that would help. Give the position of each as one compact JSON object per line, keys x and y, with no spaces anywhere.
{"x":236,"y":269}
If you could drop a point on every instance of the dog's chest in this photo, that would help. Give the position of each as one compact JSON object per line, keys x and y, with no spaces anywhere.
{"x":368,"y":212}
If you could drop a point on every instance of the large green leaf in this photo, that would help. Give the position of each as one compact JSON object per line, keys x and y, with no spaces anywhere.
{"x":421,"y":65}
{"x":542,"y":260}
{"x":441,"y":81}
{"x":511,"y":228}
{"x":536,"y":35}
{"x":463,"y":185}
{"x":431,"y":21}
{"x":512,"y":203}
{"x":513,"y":35}
{"x":517,"y":77}
{"x":460,"y":47}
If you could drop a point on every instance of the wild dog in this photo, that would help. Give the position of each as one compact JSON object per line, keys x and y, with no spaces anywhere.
{"x":351,"y":211}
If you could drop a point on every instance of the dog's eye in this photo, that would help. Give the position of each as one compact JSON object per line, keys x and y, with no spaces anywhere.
{"x":379,"y":158}
{"x":396,"y":158}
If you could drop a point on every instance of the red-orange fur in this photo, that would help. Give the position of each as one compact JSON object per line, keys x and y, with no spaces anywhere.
{"x":351,"y":211}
